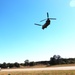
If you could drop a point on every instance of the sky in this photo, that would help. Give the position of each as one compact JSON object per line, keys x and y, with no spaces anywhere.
{"x":20,"y":39}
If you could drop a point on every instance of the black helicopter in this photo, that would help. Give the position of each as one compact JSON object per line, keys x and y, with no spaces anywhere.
{"x":47,"y":22}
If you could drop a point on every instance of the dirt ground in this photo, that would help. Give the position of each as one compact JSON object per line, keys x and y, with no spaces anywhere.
{"x":40,"y":69}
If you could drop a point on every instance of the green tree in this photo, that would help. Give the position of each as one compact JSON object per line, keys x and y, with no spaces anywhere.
{"x":26,"y":62}
{"x":4,"y":65}
{"x":16,"y":64}
{"x":32,"y":63}
{"x":10,"y":65}
{"x":56,"y":59}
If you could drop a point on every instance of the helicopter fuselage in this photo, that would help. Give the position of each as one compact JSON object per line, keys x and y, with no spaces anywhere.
{"x":46,"y":24}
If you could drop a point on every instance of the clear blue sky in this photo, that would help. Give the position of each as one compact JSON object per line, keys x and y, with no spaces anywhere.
{"x":20,"y":39}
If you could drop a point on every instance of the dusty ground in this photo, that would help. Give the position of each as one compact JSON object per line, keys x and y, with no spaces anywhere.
{"x":39,"y":69}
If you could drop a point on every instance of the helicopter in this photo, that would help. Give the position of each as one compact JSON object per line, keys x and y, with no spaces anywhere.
{"x":47,"y":23}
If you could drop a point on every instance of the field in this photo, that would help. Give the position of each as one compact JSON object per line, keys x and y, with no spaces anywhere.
{"x":43,"y":66}
{"x":61,"y":72}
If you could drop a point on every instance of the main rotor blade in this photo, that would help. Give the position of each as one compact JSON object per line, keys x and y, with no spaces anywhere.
{"x":52,"y":18}
{"x":42,"y":20}
{"x":38,"y":24}
{"x":47,"y":15}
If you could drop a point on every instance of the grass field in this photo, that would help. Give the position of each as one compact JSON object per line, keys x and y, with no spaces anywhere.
{"x":43,"y":66}
{"x":65,"y":72}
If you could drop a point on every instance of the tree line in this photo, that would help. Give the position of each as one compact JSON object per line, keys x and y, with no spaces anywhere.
{"x":55,"y":60}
